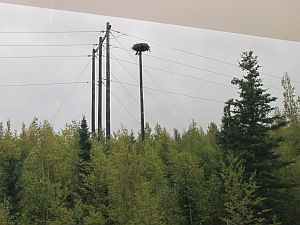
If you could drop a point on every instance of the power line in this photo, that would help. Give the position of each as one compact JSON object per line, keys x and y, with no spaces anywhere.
{"x":185,"y":114}
{"x":137,"y":82}
{"x":192,"y":77}
{"x":209,"y":71}
{"x":128,"y":92}
{"x":46,"y":45}
{"x":176,"y":49}
{"x":178,"y":74}
{"x":194,"y":67}
{"x":178,"y":106}
{"x":196,"y":54}
{"x":168,"y":97}
{"x":70,"y":92}
{"x":179,"y":63}
{"x":43,"y":84}
{"x":171,"y":92}
{"x":180,"y":109}
{"x":50,"y":32}
{"x":155,"y":68}
{"x":190,"y":66}
{"x":122,"y":104}
{"x":154,"y":99}
{"x":43,"y":56}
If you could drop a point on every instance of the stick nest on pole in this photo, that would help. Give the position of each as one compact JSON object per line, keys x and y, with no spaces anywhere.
{"x":141,"y":47}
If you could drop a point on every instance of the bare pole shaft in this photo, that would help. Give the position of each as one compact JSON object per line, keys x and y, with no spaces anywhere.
{"x":93,"y":92}
{"x":100,"y":90}
{"x":142,"y":99}
{"x":107,"y":81}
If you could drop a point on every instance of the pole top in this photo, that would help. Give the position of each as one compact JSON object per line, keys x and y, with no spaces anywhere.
{"x":108,"y":26}
{"x":141,"y":47}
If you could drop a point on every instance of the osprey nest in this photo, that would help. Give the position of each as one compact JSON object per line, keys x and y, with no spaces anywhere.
{"x":141,"y":47}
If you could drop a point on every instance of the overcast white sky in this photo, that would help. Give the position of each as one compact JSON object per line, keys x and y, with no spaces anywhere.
{"x":21,"y":104}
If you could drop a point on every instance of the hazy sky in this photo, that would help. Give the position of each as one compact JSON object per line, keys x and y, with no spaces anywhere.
{"x":66,"y":102}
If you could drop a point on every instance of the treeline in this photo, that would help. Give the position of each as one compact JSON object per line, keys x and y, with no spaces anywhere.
{"x":245,"y":172}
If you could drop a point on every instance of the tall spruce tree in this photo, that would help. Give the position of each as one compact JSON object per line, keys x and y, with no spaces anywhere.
{"x":245,"y":127}
{"x":84,"y":141}
{"x":82,"y":191}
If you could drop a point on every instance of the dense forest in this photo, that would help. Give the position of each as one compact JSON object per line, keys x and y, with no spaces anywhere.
{"x":247,"y":171}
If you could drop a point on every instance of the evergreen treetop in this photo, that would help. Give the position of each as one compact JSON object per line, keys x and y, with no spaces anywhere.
{"x":245,"y":129}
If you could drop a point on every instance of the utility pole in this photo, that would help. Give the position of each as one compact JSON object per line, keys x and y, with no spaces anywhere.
{"x":93,"y":92}
{"x":100,"y":89}
{"x":140,"y":48}
{"x":142,"y":98}
{"x":108,"y":27}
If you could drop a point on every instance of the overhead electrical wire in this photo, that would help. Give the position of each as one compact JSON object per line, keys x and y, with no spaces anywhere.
{"x":189,"y":76}
{"x":50,"y":32}
{"x":124,"y":67}
{"x":194,"y":67}
{"x":154,"y":68}
{"x":118,"y":60}
{"x":194,"y":54}
{"x":70,"y":91}
{"x":184,"y":113}
{"x":173,"y":48}
{"x":202,"y":69}
{"x":154,"y":99}
{"x":131,"y":95}
{"x":172,"y":100}
{"x":128,"y":92}
{"x":134,"y":78}
{"x":43,"y":56}
{"x":172,"y":92}
{"x":122,"y":104}
{"x":46,"y":45}
{"x":44,"y":84}
{"x":124,"y":87}
{"x":175,"y":73}
{"x":180,"y":74}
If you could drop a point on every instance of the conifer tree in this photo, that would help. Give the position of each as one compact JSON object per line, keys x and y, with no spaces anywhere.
{"x":245,"y":129}
{"x":82,"y":191}
{"x":84,"y":141}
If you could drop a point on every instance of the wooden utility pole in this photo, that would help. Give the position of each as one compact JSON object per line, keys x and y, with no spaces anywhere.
{"x":140,"y":48}
{"x":100,"y":89}
{"x":108,"y":26}
{"x":142,"y":98}
{"x":93,"y":92}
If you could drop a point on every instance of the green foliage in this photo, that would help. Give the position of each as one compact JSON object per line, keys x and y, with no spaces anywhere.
{"x":289,"y":150}
{"x":10,"y":168}
{"x":171,"y":180}
{"x":68,"y":177}
{"x":84,"y":141}
{"x":291,"y":103}
{"x":5,"y":217}
{"x":241,"y":199}
{"x":47,"y":175}
{"x":246,"y":125}
{"x":193,"y":167}
{"x":131,"y":193}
